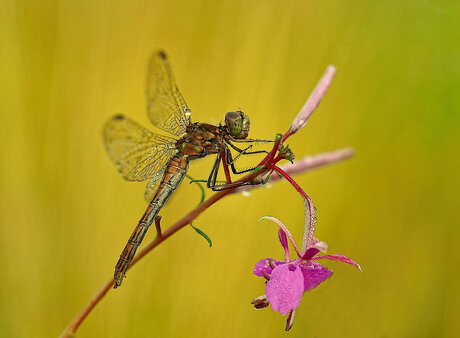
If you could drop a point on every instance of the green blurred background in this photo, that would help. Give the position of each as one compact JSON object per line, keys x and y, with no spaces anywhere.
{"x":67,"y":66}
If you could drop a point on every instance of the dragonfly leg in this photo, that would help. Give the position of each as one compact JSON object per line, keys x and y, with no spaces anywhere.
{"x":231,"y":161}
{"x":249,"y":140}
{"x":242,"y":152}
{"x":245,"y":151}
{"x":224,"y":155}
{"x":212,"y":179}
{"x":226,"y":158}
{"x":234,"y":185}
{"x":213,"y":175}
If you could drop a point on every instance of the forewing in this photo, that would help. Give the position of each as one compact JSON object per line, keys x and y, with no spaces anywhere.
{"x":138,"y":153}
{"x":166,"y":107}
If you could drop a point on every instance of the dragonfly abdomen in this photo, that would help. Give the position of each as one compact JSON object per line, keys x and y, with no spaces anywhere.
{"x":172,"y":178}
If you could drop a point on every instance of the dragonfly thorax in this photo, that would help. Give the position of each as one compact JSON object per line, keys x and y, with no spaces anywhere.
{"x":201,"y":139}
{"x":237,"y":124}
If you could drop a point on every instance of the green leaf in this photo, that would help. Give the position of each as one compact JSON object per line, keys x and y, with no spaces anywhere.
{"x":200,"y":186}
{"x":201,"y":233}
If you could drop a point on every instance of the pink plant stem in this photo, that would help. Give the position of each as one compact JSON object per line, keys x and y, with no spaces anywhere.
{"x":272,"y":153}
{"x":291,"y":180}
{"x":306,"y":164}
{"x":306,"y":198}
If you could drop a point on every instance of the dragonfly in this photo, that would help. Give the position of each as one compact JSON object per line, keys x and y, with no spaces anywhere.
{"x":140,"y":154}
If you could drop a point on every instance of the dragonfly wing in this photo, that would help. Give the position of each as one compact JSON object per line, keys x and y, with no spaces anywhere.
{"x":166,"y":107}
{"x":152,"y":186}
{"x":138,"y":153}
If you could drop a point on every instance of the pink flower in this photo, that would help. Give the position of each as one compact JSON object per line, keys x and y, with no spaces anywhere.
{"x":287,"y":280}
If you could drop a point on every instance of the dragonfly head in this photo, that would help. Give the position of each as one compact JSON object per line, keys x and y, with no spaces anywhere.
{"x":237,"y":124}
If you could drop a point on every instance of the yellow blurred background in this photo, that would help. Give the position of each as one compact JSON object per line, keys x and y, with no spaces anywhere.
{"x":65,"y":213}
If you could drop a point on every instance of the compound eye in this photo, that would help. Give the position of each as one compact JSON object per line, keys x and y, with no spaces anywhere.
{"x":245,"y":127}
{"x":234,"y":123}
{"x":237,"y":124}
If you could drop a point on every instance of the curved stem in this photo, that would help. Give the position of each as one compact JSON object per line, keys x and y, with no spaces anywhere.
{"x":73,"y":326}
{"x":187,"y":219}
{"x":290,"y":180}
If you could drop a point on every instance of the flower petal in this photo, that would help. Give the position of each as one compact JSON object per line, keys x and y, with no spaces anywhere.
{"x":263,"y":266}
{"x":310,"y":253}
{"x":314,"y":249}
{"x":284,"y":243}
{"x":340,"y":258}
{"x":314,"y":274}
{"x":285,"y":287}
{"x":282,"y":226}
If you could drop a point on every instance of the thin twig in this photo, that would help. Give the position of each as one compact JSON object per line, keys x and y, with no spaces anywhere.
{"x":73,"y":326}
{"x":305,"y":165}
